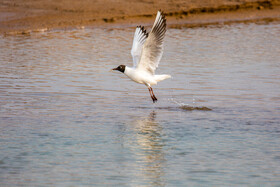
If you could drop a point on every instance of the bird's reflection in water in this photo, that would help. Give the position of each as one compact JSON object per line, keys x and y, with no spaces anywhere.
{"x":150,"y":150}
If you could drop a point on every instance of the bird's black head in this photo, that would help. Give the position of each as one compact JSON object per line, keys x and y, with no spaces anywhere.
{"x":120,"y":68}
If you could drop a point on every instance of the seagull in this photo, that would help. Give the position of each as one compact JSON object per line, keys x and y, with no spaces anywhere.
{"x":147,"y":49}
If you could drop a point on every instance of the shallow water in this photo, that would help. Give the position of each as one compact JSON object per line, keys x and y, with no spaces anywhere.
{"x":66,"y":120}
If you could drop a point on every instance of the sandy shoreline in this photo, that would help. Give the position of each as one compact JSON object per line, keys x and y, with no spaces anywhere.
{"x":25,"y":16}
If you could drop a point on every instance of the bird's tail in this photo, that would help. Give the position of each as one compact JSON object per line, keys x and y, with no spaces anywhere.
{"x":162,"y":77}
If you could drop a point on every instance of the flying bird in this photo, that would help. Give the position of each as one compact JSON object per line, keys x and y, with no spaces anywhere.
{"x":147,"y":49}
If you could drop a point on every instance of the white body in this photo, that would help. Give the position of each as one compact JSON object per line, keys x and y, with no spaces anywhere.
{"x":144,"y":77}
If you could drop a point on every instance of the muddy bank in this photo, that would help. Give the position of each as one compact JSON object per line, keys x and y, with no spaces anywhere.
{"x":25,"y":16}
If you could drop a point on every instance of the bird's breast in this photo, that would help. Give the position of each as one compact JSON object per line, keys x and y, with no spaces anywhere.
{"x":141,"y":77}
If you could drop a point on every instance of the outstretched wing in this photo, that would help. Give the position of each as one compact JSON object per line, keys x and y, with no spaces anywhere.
{"x":140,"y":37}
{"x":153,"y":47}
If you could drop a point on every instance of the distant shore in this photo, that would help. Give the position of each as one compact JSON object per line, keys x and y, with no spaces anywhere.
{"x":26,"y":16}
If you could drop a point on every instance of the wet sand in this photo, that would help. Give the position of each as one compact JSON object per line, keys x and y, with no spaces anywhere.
{"x":25,"y":16}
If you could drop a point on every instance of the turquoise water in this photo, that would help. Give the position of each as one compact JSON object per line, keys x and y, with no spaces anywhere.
{"x":66,"y":120}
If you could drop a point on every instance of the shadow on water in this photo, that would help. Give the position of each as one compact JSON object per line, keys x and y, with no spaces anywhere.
{"x":173,"y":105}
{"x":180,"y":108}
{"x":191,"y":108}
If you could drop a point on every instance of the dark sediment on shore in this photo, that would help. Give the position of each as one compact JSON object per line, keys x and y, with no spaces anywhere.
{"x":25,"y":16}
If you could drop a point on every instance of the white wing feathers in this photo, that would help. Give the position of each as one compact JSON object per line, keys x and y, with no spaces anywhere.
{"x":140,"y":37}
{"x":153,"y":45}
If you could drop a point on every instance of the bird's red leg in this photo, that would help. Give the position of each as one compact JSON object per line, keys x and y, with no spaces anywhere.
{"x":151,"y":93}
{"x":155,"y":99}
{"x":152,"y":96}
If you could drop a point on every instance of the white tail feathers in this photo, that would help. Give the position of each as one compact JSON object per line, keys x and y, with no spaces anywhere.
{"x":161,"y":77}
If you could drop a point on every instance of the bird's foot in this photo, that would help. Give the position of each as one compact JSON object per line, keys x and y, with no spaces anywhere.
{"x":154,"y":99}
{"x":152,"y":94}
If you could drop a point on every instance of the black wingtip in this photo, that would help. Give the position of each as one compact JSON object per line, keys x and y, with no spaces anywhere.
{"x":162,"y":16}
{"x":162,"y":12}
{"x":143,"y":30}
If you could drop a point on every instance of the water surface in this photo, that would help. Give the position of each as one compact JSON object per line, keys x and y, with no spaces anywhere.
{"x":66,"y":120}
